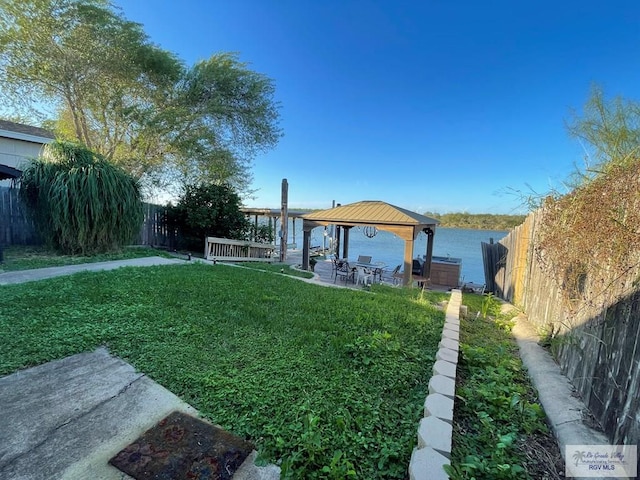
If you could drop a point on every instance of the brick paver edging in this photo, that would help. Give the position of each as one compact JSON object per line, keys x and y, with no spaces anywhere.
{"x":436,"y":428}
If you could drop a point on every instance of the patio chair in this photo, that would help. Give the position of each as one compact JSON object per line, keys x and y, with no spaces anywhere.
{"x":334,"y":266}
{"x":397,"y":276}
{"x":416,"y":267}
{"x":378,"y":270}
{"x":364,"y":275}
{"x":364,"y":259}
{"x":343,"y":270}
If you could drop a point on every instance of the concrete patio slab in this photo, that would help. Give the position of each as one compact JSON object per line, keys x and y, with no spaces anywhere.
{"x":65,"y":419}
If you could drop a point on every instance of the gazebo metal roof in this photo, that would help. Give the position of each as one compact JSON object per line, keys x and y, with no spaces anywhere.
{"x":370,"y":212}
{"x":404,"y":223}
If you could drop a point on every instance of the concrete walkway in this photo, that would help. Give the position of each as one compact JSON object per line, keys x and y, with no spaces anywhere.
{"x":65,"y":419}
{"x":23,"y":276}
{"x":565,"y":412}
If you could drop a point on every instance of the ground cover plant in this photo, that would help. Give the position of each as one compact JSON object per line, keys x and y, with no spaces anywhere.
{"x":499,"y":425}
{"x":328,"y":383}
{"x":21,"y":257}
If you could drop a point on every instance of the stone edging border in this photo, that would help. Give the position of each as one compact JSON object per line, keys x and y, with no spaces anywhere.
{"x":436,"y":428}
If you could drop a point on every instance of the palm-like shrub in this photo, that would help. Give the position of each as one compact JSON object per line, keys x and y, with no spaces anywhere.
{"x":81,"y":203}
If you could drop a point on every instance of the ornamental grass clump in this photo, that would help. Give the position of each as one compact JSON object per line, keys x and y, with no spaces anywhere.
{"x":81,"y":203}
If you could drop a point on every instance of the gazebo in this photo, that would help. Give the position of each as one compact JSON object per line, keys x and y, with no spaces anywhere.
{"x":384,"y":216}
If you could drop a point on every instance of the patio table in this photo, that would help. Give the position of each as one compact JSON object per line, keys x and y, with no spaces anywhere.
{"x":375,"y":267}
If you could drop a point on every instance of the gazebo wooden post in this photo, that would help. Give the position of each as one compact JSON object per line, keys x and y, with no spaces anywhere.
{"x":255,"y":223}
{"x":294,"y":231}
{"x":427,"y":261}
{"x":408,"y":234}
{"x":407,"y":279}
{"x":345,"y":244}
{"x":274,"y":230}
{"x":306,"y":244}
{"x":337,"y":241}
{"x":307,"y":226}
{"x":284,"y":220}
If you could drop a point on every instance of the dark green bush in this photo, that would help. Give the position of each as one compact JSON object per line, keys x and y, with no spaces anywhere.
{"x":208,"y":211}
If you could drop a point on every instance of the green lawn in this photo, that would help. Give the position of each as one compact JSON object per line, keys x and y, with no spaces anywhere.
{"x":329,"y":383}
{"x":20,"y":257}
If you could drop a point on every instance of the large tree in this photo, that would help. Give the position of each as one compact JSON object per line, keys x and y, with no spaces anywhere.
{"x":127,"y":99}
{"x":610,"y":130}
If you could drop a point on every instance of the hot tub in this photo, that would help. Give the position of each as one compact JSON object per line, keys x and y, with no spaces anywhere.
{"x":446,"y":271}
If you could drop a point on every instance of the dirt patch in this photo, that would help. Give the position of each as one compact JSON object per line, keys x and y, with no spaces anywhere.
{"x":544,"y":460}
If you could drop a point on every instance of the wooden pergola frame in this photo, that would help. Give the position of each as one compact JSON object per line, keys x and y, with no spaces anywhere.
{"x":403,"y":223}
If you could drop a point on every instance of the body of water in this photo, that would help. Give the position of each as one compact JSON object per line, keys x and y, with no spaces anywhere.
{"x":388,"y":248}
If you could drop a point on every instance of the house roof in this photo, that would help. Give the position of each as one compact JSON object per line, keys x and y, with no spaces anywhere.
{"x":27,"y":133}
{"x":370,"y":212}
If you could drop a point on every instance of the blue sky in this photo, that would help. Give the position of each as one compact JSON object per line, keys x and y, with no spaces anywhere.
{"x":429,"y":105}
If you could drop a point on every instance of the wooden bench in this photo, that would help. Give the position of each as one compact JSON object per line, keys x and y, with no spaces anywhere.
{"x":227,"y":250}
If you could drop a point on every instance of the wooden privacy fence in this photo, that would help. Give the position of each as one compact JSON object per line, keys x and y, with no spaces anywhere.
{"x":595,"y":335}
{"x":15,"y":227}
{"x":155,"y":230}
{"x":507,"y":263}
{"x":224,"y":249}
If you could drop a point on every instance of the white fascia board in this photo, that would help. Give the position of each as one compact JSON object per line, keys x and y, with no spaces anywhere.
{"x":25,"y":137}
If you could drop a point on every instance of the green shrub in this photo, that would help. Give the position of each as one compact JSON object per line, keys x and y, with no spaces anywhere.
{"x":208,"y":211}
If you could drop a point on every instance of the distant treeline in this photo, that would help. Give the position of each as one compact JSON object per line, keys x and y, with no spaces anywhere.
{"x":480,"y":221}
{"x":477,"y":221}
